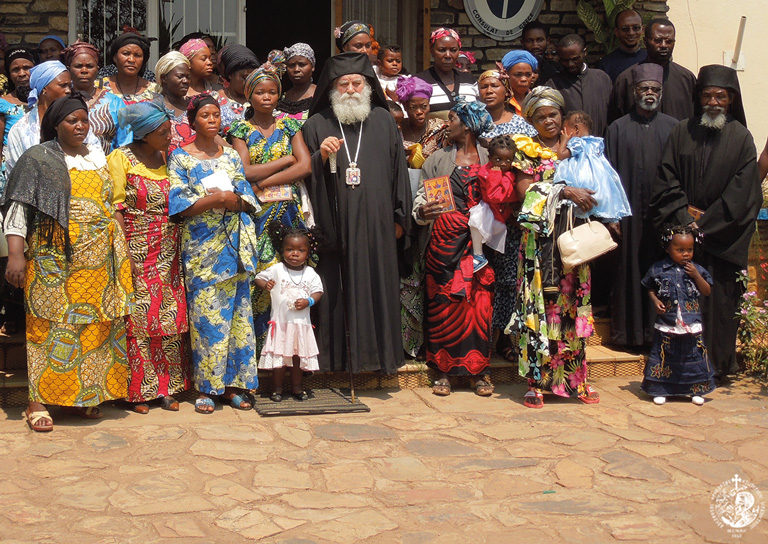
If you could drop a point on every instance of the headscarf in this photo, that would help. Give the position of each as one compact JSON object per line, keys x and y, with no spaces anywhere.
{"x":647,"y":71}
{"x":54,"y":38}
{"x":442,"y":33}
{"x":300,"y":49}
{"x":41,"y":76}
{"x":57,"y":111}
{"x":128,"y":38}
{"x":715,"y":75}
{"x":142,"y":118}
{"x":473,"y":115}
{"x":77,"y":48}
{"x":410,"y":87}
{"x":18,"y":52}
{"x":517,"y":56}
{"x":192,"y":47}
{"x":197,"y":102}
{"x":349,"y":30}
{"x":540,"y":97}
{"x":168,"y":62}
{"x":349,"y":62}
{"x":468,"y":55}
{"x":236,"y":57}
{"x":272,"y":70}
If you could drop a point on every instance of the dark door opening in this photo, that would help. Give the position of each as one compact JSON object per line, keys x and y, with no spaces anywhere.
{"x":287,"y":22}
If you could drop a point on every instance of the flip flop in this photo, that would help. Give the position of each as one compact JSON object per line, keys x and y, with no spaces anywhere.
{"x":33,"y":418}
{"x":204,"y":402}
{"x":590,"y":395}
{"x":533,"y":398}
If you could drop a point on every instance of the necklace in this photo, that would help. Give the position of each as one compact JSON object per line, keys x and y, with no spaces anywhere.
{"x":301,"y":278}
{"x":135,"y":88}
{"x":353,"y":172}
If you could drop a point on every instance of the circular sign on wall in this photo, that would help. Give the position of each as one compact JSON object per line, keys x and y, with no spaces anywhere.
{"x":502,"y":20}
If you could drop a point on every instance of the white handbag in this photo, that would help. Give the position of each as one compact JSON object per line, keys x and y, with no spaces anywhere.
{"x":579,"y":245}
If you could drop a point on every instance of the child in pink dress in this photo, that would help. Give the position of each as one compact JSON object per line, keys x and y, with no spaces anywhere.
{"x":294,"y":288}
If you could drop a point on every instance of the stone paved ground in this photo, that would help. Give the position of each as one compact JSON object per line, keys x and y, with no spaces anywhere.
{"x":417,"y":469}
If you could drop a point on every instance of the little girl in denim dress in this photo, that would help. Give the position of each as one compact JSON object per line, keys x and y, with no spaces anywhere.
{"x":678,"y":364}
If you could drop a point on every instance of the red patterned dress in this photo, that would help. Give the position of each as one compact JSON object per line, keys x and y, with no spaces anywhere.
{"x":458,"y":317}
{"x":157,"y":328}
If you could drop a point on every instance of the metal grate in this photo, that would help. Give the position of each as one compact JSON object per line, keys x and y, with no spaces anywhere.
{"x":100,"y":21}
{"x":320,"y":401}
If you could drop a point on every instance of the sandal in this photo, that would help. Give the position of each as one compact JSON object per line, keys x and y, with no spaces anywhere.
{"x":276,"y":397}
{"x":170,"y":404}
{"x":442,"y":387}
{"x":34,"y":419}
{"x":483,"y":387}
{"x":240,"y":401}
{"x":204,"y":405}
{"x":533,"y":398}
{"x":590,"y":395}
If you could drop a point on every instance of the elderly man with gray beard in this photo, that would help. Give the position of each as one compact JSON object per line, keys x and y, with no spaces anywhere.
{"x":634,"y":144}
{"x":361,"y":199}
{"x":709,"y":178}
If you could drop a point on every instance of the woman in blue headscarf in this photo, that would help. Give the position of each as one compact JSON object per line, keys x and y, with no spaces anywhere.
{"x":457,"y":325}
{"x":521,"y":67}
{"x":157,"y":329}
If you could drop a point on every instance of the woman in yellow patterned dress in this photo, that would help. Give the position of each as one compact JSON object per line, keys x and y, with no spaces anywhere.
{"x":76,"y":275}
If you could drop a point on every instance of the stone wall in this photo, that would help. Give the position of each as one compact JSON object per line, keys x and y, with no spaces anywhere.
{"x":27,"y":21}
{"x":558,"y":15}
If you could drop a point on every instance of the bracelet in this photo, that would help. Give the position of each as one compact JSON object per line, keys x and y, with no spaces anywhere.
{"x":311,"y":301}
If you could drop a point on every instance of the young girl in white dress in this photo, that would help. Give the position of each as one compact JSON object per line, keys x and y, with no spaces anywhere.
{"x":294,"y":288}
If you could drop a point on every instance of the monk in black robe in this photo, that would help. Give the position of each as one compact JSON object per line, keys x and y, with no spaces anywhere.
{"x":583,"y":88}
{"x":709,"y":177}
{"x":634,"y":145}
{"x":365,"y":225}
{"x":679,"y":83}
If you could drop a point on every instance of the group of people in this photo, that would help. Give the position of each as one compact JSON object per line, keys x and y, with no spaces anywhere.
{"x":189,"y":226}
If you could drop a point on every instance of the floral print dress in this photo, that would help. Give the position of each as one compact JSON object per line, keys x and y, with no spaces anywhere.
{"x":552,"y":328}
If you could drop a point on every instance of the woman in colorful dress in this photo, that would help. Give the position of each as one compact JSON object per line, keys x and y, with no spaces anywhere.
{"x":494,"y":92}
{"x":520,"y":67}
{"x":172,"y":70}
{"x":200,"y":66}
{"x":553,"y":311}
{"x":157,"y":329}
{"x":421,"y":138}
{"x":457,"y":326}
{"x":82,"y":61}
{"x":18,"y":65}
{"x":300,"y":65}
{"x":76,"y":275}
{"x":130,"y":53}
{"x":236,"y":62}
{"x":210,"y":195}
{"x":274,"y":152}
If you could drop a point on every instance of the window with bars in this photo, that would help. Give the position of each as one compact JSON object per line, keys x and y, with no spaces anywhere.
{"x":219,"y":18}
{"x":100,"y":21}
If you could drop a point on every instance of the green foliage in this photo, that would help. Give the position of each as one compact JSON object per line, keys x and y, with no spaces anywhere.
{"x":753,"y":331}
{"x":166,"y":31}
{"x":603,"y":28}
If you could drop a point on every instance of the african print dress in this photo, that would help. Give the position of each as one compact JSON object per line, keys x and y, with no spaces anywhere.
{"x":218,"y":249}
{"x":263,"y":150}
{"x":11,"y":113}
{"x":458,"y":308}
{"x":182,"y":133}
{"x":149,"y":93}
{"x":156,"y":330}
{"x":102,"y":115}
{"x":231,"y":111}
{"x":553,"y":326}
{"x":76,"y":354}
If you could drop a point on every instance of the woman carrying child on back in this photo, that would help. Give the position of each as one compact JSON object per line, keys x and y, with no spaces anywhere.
{"x":294,"y":288}
{"x":678,"y":364}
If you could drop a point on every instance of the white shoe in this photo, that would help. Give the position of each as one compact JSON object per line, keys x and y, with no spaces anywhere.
{"x":659,"y":400}
{"x":697,"y":400}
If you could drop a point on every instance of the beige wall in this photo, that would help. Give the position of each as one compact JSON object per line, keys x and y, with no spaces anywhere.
{"x":706,"y":28}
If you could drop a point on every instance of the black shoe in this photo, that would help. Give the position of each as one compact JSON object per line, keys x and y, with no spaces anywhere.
{"x":276,"y":397}
{"x":301,"y":396}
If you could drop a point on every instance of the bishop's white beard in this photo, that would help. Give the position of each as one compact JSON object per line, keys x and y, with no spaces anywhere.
{"x":351,"y":108}
{"x":713,"y":117}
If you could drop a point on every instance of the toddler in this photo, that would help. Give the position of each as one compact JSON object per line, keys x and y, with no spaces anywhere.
{"x":488,"y":218}
{"x":678,"y":363}
{"x":294,"y":288}
{"x":588,"y":168}
{"x":388,"y":68}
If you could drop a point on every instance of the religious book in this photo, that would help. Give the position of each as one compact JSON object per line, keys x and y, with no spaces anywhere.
{"x":439,"y":190}
{"x":276,"y":193}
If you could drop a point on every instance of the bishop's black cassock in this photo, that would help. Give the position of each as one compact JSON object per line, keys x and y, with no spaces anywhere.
{"x":358,"y":224}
